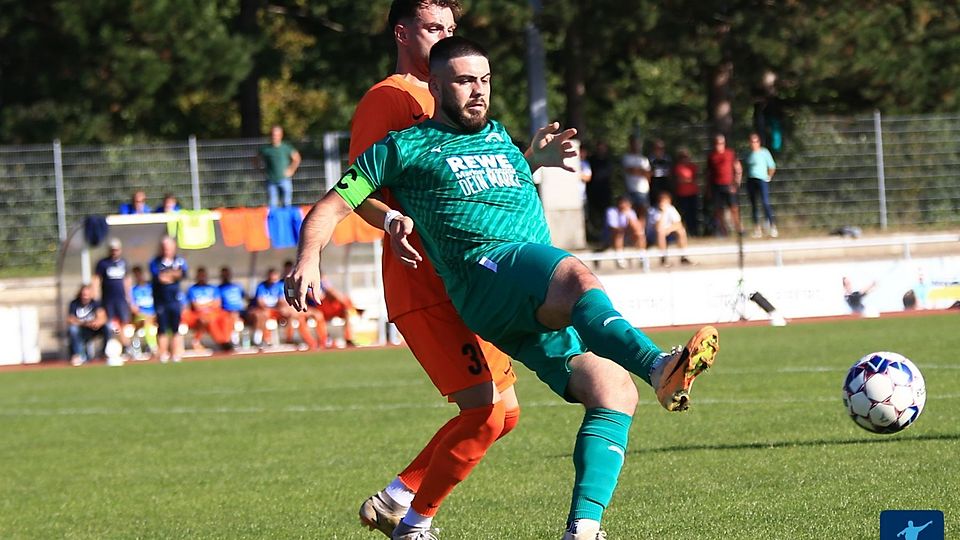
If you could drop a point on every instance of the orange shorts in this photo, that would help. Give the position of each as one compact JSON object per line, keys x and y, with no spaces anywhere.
{"x":452,"y":355}
{"x":333,"y":308}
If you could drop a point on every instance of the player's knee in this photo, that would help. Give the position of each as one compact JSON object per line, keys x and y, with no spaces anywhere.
{"x":600,"y":383}
{"x":510,"y":419}
{"x":486,"y":422}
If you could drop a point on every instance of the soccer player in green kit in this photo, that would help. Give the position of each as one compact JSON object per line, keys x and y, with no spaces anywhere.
{"x":470,"y":191}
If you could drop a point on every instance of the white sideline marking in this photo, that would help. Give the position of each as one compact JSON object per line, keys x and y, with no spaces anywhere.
{"x":236,"y":391}
{"x":94,"y":411}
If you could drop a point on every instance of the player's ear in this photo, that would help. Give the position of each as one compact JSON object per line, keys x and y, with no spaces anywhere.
{"x":400,"y":33}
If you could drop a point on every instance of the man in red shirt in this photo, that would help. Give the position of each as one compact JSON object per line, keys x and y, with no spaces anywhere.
{"x":724,"y":175}
{"x":688,"y":191}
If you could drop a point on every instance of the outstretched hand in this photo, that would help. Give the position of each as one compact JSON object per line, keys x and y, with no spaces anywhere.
{"x":302,"y":280}
{"x":550,"y":147}
{"x":399,"y":231}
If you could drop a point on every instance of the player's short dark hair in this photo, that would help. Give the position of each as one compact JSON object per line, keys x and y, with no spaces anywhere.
{"x":407,"y":9}
{"x":454,"y":47}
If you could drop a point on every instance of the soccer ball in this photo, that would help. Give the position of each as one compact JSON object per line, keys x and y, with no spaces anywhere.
{"x":884,"y":392}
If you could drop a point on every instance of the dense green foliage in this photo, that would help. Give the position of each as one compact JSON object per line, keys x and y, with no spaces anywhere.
{"x":288,"y":447}
{"x":106,"y":70}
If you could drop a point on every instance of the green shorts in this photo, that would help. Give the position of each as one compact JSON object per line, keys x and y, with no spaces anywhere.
{"x":498,"y":300}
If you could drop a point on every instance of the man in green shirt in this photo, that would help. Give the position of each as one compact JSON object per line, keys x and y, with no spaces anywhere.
{"x":470,"y":191}
{"x":279,"y":160}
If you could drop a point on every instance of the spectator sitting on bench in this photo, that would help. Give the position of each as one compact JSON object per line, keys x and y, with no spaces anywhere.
{"x":664,"y":226}
{"x":269,"y":303}
{"x":86,"y":320}
{"x":332,"y":303}
{"x":303,"y":320}
{"x":233,"y":299}
{"x":170,"y":204}
{"x":204,"y":315}
{"x":137,"y":205}
{"x":144,"y":316}
{"x":623,"y":224}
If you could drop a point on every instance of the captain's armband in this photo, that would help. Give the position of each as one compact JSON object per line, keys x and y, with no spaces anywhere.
{"x":354,"y":187}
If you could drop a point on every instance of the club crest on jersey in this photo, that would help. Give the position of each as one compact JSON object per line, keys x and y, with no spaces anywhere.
{"x":482,"y":172}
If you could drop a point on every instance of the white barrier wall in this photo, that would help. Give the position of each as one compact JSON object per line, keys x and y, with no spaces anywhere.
{"x":663,"y":298}
{"x":20,"y":335}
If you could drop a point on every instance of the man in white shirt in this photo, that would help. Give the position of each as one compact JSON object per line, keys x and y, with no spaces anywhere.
{"x":664,"y":225}
{"x":636,"y":174}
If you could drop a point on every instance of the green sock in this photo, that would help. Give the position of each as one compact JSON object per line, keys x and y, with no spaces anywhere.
{"x":597,"y":458}
{"x":607,"y":334}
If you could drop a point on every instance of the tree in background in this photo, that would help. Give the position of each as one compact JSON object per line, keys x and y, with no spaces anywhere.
{"x":105,"y":71}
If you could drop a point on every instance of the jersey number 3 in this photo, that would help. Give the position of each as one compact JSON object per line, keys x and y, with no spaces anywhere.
{"x":477,"y":365}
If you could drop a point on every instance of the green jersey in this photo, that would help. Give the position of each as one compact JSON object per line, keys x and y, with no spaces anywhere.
{"x":276,"y":160}
{"x":468,"y":193}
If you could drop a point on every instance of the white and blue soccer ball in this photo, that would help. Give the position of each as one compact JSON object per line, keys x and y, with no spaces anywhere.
{"x":884,"y":392}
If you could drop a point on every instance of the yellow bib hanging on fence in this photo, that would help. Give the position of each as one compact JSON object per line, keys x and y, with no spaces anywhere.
{"x":195,"y":229}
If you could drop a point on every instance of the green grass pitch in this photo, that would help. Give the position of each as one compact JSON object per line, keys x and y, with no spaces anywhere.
{"x":289,"y":446}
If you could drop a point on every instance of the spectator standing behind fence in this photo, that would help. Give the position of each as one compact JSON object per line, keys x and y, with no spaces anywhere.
{"x":170,"y":204}
{"x":661,"y":171}
{"x":86,"y":320}
{"x":280,"y":161}
{"x":636,"y":176}
{"x":760,"y":170}
{"x":137,"y":205}
{"x":622,"y":225}
{"x":687,"y":191}
{"x":167,"y":269}
{"x":724,"y":175}
{"x":115,"y":290}
{"x":599,"y":189}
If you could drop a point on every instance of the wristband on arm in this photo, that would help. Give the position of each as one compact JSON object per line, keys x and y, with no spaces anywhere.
{"x":387,"y":219}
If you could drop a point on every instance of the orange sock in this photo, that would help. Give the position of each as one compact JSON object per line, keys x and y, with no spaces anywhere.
{"x":457,"y":454}
{"x":510,"y":419}
{"x":412,"y":476}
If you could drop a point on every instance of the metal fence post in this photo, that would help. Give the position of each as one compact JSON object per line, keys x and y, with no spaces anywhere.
{"x":61,"y":202}
{"x":331,"y":158}
{"x":881,"y":180}
{"x":194,"y":172}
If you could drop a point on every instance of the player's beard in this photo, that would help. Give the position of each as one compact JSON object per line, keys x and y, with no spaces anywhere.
{"x":467,"y":122}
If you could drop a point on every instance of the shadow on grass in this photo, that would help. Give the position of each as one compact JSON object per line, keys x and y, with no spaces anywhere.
{"x":878,"y":439}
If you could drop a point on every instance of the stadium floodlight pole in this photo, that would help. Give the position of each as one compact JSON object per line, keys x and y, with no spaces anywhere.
{"x":536,"y":71}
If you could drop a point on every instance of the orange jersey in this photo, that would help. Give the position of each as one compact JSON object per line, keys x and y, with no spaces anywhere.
{"x":394,"y":104}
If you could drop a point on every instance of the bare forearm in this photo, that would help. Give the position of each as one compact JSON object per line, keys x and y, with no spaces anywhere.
{"x":318,"y":226}
{"x":373,"y":212}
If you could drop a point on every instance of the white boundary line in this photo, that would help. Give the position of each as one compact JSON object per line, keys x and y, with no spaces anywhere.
{"x":306,"y":409}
